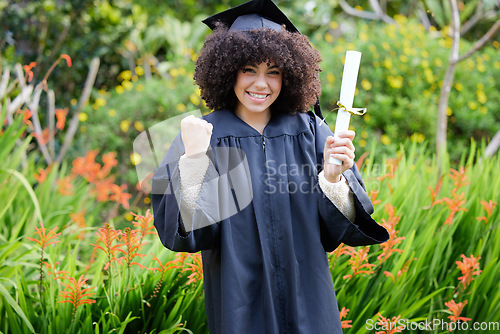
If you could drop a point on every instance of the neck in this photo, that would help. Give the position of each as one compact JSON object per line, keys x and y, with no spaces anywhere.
{"x":257,"y":120}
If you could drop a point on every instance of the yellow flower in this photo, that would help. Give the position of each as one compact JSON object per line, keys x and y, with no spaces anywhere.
{"x":350,"y":46}
{"x":363,"y":36}
{"x":194,"y":99}
{"x":120,"y":89}
{"x":139,"y":126}
{"x":181,"y":107}
{"x":386,"y":46}
{"x":425,"y":63}
{"x":418,"y":137}
{"x":127,"y":85}
{"x":356,"y":91}
{"x":364,"y":134}
{"x":480,"y":86}
{"x":367,"y":117}
{"x":395,"y":82}
{"x":338,"y":49}
{"x":139,"y":87}
{"x":83,"y":128}
{"x":429,"y":76}
{"x":366,"y":84}
{"x":496,"y":44}
{"x":432,"y":29}
{"x":449,"y":112}
{"x":112,"y":112}
{"x":100,"y":102}
{"x":330,"y":77}
{"x":101,"y":92}
{"x":174,"y":73}
{"x":372,"y":48}
{"x":135,"y":158}
{"x":388,"y":63}
{"x":400,"y":18}
{"x":147,"y":200}
{"x":481,"y":68}
{"x":459,"y":86}
{"x":124,"y":125}
{"x":486,"y":57}
{"x":135,"y":78}
{"x":126,"y":75}
{"x":83,"y":117}
{"x":129,"y":217}
{"x":470,"y":64}
{"x":139,"y":70}
{"x":472,"y":105}
{"x":182,"y":71}
{"x":358,"y":7}
{"x":362,"y":143}
{"x":74,"y":102}
{"x":424,"y":54}
{"x":403,"y":58}
{"x":334,"y":25}
{"x":483,"y":110}
{"x":328,"y":38}
{"x":481,"y":96}
{"x":385,"y":139}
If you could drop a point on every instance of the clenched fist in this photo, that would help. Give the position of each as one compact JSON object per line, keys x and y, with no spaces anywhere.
{"x":196,"y":134}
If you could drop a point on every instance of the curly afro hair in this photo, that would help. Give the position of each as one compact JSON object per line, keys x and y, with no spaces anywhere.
{"x":226,"y":52}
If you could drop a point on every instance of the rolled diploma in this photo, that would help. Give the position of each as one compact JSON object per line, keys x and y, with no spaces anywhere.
{"x":349,"y":78}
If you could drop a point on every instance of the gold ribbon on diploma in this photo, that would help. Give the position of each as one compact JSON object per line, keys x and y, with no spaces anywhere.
{"x":352,"y":111}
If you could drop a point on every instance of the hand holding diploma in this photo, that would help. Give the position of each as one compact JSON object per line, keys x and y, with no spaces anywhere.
{"x":347,"y":89}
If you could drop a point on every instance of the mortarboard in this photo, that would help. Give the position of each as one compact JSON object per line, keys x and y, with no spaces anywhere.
{"x":253,"y":14}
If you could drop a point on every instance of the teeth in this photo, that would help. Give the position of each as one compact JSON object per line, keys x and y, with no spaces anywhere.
{"x":258,"y":96}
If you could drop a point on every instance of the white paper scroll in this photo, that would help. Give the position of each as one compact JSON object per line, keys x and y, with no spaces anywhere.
{"x":349,"y":78}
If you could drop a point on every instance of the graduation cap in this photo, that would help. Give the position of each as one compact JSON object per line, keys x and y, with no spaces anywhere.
{"x":253,"y":14}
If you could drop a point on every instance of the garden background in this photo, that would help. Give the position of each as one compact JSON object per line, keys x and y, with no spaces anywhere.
{"x":80,"y":80}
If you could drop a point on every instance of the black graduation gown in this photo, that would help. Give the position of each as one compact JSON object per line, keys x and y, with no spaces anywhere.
{"x":265,"y":263}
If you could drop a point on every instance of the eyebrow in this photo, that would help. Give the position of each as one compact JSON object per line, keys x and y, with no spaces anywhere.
{"x":269,"y":68}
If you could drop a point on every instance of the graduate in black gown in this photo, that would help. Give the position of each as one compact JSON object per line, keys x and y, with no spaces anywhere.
{"x":250,"y":186}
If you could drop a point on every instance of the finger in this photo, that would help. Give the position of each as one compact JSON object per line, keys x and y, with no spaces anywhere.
{"x":346,"y":134}
{"x":343,"y":150}
{"x":329,"y":140}
{"x":344,"y":142}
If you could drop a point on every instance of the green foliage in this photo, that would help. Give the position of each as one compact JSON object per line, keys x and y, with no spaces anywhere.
{"x":401,"y":71}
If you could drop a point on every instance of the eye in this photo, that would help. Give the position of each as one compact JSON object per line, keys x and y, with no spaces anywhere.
{"x":248,"y":70}
{"x":274,"y":72}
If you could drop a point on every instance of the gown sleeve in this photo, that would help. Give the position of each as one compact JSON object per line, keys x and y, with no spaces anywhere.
{"x":167,"y":200}
{"x":335,"y":227}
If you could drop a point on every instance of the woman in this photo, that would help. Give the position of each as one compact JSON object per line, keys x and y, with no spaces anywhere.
{"x":249,"y":184}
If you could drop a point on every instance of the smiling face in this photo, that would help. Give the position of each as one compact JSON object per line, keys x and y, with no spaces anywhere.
{"x":257,"y":87}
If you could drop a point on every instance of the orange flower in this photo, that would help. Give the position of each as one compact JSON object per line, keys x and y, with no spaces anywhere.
{"x":42,"y":174}
{"x":67,"y":58}
{"x":467,"y":267}
{"x":389,"y":326}
{"x":392,"y":166}
{"x":44,"y":137}
{"x":109,"y":161}
{"x":341,"y":250}
{"x":143,"y":224}
{"x":109,"y":237}
{"x":79,"y":219}
{"x":44,"y":238}
{"x":130,"y":239}
{"x":488,"y":206}
{"x":456,"y":309}
{"x":174,"y":264}
{"x":387,"y":247}
{"x":357,"y":265}
{"x":119,"y":195}
{"x":405,"y":268}
{"x":75,"y":294}
{"x":343,"y":314}
{"x":86,"y":166}
{"x":454,"y":204}
{"x":61,"y":117}
{"x":102,"y":189}
{"x":55,"y":273}
{"x":459,"y":178}
{"x":373,"y":197}
{"x":195,"y":267}
{"x":26,"y":117}
{"x":64,"y":186}
{"x":435,"y":192}
{"x":29,"y":72}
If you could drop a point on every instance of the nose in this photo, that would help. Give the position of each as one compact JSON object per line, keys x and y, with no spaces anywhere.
{"x":261,"y":82}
